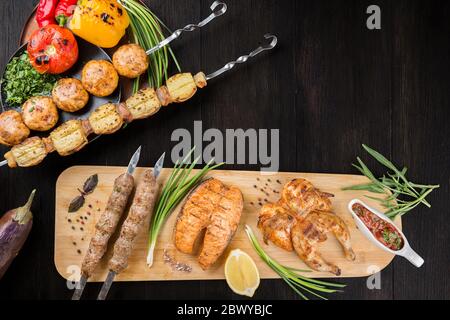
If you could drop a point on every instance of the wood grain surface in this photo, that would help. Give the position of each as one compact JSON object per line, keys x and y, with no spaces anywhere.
{"x":331,"y":85}
{"x":74,"y":230}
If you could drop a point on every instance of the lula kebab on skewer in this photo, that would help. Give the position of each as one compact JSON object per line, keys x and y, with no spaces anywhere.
{"x":72,"y":135}
{"x":107,"y":223}
{"x":139,"y":214}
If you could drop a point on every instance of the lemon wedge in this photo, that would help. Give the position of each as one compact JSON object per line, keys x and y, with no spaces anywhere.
{"x":241,"y":273}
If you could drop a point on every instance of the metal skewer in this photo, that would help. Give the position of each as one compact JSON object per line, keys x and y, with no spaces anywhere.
{"x":4,"y":162}
{"x":111,"y":274}
{"x":218,"y":8}
{"x":130,"y":170}
{"x":242,"y":59}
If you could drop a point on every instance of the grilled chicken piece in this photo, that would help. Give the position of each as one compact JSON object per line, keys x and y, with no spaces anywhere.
{"x":301,"y":220}
{"x":276,"y":222}
{"x":212,"y":206}
{"x":69,"y":137}
{"x":312,"y":230}
{"x":302,"y":197}
{"x":105,"y":119}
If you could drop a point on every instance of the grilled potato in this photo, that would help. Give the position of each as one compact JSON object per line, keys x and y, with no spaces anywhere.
{"x":105,"y":119}
{"x":69,"y":137}
{"x":200,"y":80}
{"x":143,"y":103}
{"x":29,"y":153}
{"x":181,"y":87}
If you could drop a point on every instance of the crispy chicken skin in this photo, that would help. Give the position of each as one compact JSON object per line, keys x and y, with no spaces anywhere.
{"x":302,"y":197}
{"x":313,"y":229}
{"x":99,"y":78}
{"x":130,"y":60}
{"x":40,"y":113}
{"x":12,"y":129}
{"x":276,"y":222}
{"x":212,"y":206}
{"x":69,"y":95}
{"x":300,"y":220}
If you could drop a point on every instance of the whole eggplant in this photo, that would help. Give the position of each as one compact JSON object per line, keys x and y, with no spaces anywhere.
{"x":15,"y":226}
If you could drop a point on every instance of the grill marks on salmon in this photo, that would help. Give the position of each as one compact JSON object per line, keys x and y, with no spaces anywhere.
{"x":212,"y":206}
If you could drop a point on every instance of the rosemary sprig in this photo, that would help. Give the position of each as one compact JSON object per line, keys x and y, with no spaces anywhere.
{"x":400,"y":194}
{"x":176,"y":188}
{"x":297,"y":282}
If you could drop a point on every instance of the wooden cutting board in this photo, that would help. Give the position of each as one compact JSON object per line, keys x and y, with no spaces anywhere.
{"x":73,"y":230}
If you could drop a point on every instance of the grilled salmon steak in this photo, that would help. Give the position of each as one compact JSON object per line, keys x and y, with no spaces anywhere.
{"x":300,"y":220}
{"x":212,"y":206}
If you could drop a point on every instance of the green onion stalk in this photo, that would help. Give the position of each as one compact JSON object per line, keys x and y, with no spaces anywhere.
{"x":179,"y":184}
{"x":147,"y":31}
{"x":300,"y":284}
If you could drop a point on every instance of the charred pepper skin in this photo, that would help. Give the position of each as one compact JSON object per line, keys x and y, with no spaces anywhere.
{"x":45,"y":12}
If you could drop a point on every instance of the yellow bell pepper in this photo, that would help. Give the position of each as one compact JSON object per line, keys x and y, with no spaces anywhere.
{"x":100,"y":22}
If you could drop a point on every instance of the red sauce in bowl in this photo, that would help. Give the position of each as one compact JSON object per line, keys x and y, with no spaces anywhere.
{"x":383,"y":231}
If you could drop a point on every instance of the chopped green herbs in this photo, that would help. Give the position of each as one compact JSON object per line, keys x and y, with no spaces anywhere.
{"x":392,"y":185}
{"x":22,"y":82}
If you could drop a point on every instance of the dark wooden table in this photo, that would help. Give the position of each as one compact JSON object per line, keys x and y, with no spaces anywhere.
{"x":331,"y":85}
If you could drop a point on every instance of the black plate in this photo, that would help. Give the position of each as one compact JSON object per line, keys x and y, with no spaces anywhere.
{"x":87,"y":52}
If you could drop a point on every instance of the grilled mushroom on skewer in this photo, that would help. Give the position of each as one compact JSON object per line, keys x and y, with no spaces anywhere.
{"x":12,"y":129}
{"x":107,"y":224}
{"x":131,"y":61}
{"x":140,"y":212}
{"x":145,"y":103}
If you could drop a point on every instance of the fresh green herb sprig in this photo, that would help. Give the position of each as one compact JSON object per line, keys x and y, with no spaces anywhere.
{"x":147,"y":32}
{"x":393,"y":185}
{"x":176,"y":188}
{"x":21,"y":81}
{"x":297,"y":282}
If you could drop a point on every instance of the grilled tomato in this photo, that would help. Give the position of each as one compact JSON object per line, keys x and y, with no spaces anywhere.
{"x":52,"y":49}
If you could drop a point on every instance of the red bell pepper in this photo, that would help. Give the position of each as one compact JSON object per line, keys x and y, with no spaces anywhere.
{"x":45,"y":12}
{"x":64,"y":10}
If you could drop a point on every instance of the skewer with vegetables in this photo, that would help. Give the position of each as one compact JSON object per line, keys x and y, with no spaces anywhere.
{"x":73,"y":135}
